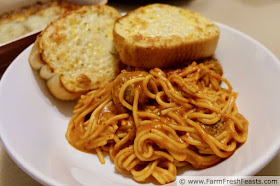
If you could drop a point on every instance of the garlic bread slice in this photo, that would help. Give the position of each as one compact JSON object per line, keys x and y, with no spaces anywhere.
{"x":76,"y":52}
{"x":161,"y":35}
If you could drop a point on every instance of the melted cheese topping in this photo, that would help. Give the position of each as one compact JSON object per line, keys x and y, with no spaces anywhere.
{"x":164,"y":21}
{"x":12,"y":30}
{"x":31,"y":20}
{"x":83,"y":50}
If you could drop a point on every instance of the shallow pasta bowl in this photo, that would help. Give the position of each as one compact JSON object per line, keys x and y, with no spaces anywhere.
{"x":33,"y":123}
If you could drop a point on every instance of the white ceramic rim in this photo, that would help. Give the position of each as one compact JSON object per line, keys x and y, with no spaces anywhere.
{"x":41,"y":178}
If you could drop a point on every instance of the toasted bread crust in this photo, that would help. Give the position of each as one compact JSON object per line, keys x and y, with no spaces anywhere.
{"x":80,"y":71}
{"x":150,"y":50}
{"x":53,"y":79}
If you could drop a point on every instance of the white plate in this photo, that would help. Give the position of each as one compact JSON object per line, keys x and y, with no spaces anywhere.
{"x":33,"y":123}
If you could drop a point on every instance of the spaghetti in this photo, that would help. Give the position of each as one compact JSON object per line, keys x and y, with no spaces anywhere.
{"x":152,"y":123}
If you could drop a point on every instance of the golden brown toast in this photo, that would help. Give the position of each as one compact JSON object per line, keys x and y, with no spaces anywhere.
{"x":76,"y":53}
{"x":160,"y":35}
